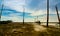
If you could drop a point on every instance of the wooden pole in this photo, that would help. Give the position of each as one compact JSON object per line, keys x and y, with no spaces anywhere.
{"x":57,"y":14}
{"x":47,"y":12}
{"x":23,"y":14}
{"x":37,"y":18}
{"x":1,"y":12}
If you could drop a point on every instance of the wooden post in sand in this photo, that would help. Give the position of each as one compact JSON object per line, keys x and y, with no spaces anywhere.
{"x":47,"y":12}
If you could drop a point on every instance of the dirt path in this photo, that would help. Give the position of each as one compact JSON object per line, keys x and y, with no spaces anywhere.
{"x":38,"y":27}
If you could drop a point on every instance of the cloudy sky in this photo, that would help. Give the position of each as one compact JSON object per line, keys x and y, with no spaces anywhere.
{"x":13,"y":10}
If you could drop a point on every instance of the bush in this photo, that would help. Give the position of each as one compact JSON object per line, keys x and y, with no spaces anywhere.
{"x":5,"y":22}
{"x":38,"y":22}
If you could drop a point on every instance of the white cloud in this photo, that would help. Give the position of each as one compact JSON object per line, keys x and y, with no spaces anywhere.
{"x":13,"y":18}
{"x":15,"y":4}
{"x":39,"y":12}
{"x":29,"y":19}
{"x":53,"y":11}
{"x":17,"y":19}
{"x":51,"y":19}
{"x":18,"y":5}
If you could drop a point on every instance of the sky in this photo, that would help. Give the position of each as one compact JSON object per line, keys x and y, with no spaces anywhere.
{"x":13,"y":10}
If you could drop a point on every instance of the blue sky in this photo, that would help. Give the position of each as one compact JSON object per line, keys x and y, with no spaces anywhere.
{"x":13,"y":10}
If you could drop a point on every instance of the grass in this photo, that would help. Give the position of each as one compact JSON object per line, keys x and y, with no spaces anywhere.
{"x":18,"y":29}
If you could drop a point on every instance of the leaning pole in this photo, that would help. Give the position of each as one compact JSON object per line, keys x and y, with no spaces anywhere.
{"x":47,"y":12}
{"x":57,"y":14}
